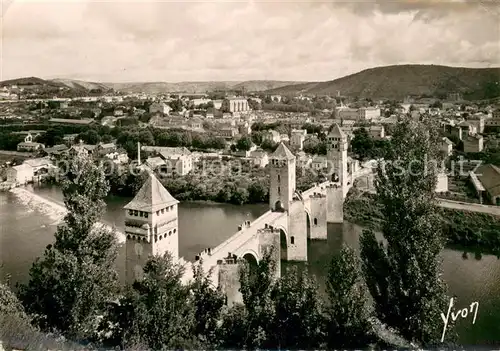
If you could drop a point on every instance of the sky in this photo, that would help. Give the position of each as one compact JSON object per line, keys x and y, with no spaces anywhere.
{"x":173,"y":41}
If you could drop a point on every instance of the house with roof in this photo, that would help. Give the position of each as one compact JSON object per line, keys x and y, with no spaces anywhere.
{"x":473,"y":143}
{"x":486,"y":182}
{"x":161,"y":107}
{"x":82,"y":148}
{"x":64,"y":121}
{"x":259,"y":158}
{"x":56,"y":151}
{"x":446,"y":146}
{"x":178,"y":160}
{"x":21,"y":174}
{"x":271,"y":135}
{"x":28,"y":145}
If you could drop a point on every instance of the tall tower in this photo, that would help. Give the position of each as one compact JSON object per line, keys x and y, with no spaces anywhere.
{"x":282,"y":185}
{"x":151,"y":227}
{"x":337,"y":146}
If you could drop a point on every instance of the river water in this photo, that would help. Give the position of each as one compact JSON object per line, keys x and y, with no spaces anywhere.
{"x":28,"y":222}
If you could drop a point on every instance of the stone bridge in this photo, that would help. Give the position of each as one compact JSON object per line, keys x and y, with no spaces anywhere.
{"x":294,"y":217}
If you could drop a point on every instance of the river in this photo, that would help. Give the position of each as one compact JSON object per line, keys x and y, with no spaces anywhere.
{"x":27,"y":225}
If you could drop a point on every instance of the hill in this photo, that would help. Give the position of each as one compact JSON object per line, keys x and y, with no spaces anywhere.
{"x":397,"y":82}
{"x":80,"y":84}
{"x":55,"y":87}
{"x":31,"y":82}
{"x":197,"y":87}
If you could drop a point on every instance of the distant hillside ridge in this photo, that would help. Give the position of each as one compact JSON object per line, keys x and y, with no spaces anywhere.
{"x":198,"y":87}
{"x":400,"y":81}
{"x":81,"y":85}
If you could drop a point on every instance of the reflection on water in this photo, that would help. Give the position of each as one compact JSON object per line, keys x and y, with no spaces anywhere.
{"x":25,"y":231}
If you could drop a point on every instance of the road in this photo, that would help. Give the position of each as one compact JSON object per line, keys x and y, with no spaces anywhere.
{"x":464,"y":206}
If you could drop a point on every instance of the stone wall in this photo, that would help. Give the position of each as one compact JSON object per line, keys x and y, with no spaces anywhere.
{"x":335,"y":204}
{"x":318,"y":210}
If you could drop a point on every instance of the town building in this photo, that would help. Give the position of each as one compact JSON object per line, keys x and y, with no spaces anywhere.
{"x":297,"y":139}
{"x":238,"y":105}
{"x":160,"y":108}
{"x":368,"y":113}
{"x":486,"y":181}
{"x":21,"y":174}
{"x":272,"y":136}
{"x":473,"y":143}
{"x":260,"y":158}
{"x":64,"y":121}
{"x":179,"y":160}
{"x":56,"y":151}
{"x":494,"y":121}
{"x":228,"y":132}
{"x":319,"y":163}
{"x":446,"y":146}
{"x":29,"y":145}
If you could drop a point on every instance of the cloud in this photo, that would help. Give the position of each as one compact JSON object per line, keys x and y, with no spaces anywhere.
{"x":239,"y":40}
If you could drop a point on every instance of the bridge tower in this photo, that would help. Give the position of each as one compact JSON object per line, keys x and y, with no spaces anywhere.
{"x":337,"y":145}
{"x":151,"y":227}
{"x":282,"y":184}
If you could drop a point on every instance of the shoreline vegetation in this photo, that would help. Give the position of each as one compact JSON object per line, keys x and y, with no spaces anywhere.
{"x":471,"y":232}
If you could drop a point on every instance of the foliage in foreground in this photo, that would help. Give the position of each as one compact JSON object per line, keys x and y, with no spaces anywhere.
{"x":70,"y":286}
{"x":404,"y":277}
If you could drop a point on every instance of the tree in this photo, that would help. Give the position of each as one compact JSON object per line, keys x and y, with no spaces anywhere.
{"x":208,"y":303}
{"x":297,"y":308}
{"x":362,"y":144}
{"x":404,"y":276}
{"x":347,"y":316}
{"x":157,"y":312}
{"x":72,"y":283}
{"x":244,"y":143}
{"x":256,"y":288}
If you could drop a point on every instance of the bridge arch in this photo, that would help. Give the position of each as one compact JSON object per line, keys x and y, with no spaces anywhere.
{"x":251,"y":256}
{"x":284,"y":242}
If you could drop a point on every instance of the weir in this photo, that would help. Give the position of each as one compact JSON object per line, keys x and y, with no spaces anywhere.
{"x":54,"y":210}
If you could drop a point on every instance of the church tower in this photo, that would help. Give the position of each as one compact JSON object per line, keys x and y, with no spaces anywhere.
{"x":337,"y":145}
{"x":151,"y":227}
{"x":282,"y":185}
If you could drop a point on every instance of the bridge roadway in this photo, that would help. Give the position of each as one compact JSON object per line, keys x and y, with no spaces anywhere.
{"x":238,"y":243}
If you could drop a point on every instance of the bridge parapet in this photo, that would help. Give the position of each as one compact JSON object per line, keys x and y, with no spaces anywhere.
{"x":245,"y":225}
{"x":204,"y":254}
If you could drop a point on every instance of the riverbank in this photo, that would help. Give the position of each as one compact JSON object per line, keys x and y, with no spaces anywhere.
{"x":472,"y":232}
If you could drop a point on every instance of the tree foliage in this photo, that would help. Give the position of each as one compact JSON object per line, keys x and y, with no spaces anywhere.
{"x":347,"y":312}
{"x":71,"y":284}
{"x":156,"y":313}
{"x":404,"y":277}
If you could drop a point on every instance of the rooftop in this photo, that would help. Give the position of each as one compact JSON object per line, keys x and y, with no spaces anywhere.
{"x":151,"y":197}
{"x":336,"y":131}
{"x":282,"y":152}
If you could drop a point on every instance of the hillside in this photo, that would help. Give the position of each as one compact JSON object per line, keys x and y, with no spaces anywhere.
{"x":397,"y":82}
{"x":197,"y":87}
{"x":80,"y":84}
{"x":31,"y":82}
{"x":55,"y":87}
